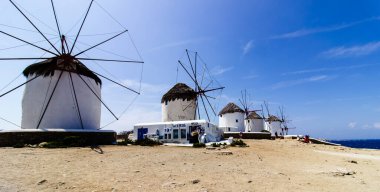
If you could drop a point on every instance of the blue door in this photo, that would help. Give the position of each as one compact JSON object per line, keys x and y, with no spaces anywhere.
{"x":141,"y":132}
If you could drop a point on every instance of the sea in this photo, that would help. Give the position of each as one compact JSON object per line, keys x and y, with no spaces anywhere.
{"x":363,"y":143}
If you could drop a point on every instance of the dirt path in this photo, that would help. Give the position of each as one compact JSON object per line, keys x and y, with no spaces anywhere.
{"x":281,"y":165}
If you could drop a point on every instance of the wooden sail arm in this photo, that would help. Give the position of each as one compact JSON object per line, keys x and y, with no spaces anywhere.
{"x":28,"y":43}
{"x":34,"y":26}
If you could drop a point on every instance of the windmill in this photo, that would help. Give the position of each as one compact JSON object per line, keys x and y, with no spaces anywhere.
{"x":61,"y":91}
{"x":274,"y":123}
{"x":244,"y":103}
{"x":284,"y":121}
{"x":252,"y":119}
{"x":267,"y":109}
{"x":204,"y":84}
{"x":262,"y":111}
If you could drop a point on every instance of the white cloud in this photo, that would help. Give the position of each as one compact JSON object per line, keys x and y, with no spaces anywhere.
{"x":145,"y":87}
{"x":250,"y":77}
{"x":138,"y":114}
{"x":318,"y":78}
{"x":147,"y":107}
{"x":376,"y":125}
{"x":220,"y":70}
{"x":284,"y":84}
{"x":352,"y":125}
{"x":366,"y":126}
{"x":357,"y":50}
{"x":304,"y":32}
{"x":226,"y":98}
{"x":353,"y":98}
{"x":327,"y":69}
{"x":377,"y":109}
{"x":247,"y":47}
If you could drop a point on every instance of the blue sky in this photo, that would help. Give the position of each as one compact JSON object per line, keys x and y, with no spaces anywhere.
{"x":318,"y":59}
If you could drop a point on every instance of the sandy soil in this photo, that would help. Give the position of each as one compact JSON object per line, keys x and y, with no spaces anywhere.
{"x":281,"y":165}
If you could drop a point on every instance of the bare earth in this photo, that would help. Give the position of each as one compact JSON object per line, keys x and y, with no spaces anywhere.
{"x":280,"y":165}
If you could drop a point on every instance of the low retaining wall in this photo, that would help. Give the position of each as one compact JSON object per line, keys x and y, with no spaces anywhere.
{"x":248,"y":135}
{"x":9,"y":138}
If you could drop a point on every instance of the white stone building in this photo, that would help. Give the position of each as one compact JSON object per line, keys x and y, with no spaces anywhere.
{"x":274,"y":125}
{"x":231,"y":118}
{"x":179,"y":103}
{"x":58,"y":98}
{"x":184,"y":132}
{"x":254,"y":122}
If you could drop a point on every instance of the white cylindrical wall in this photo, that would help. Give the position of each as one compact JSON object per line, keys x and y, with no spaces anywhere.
{"x":178,"y":110}
{"x":254,"y":125}
{"x":273,"y":127}
{"x":62,"y":110}
{"x":235,"y":119}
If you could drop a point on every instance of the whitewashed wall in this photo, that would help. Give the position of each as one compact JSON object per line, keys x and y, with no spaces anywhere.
{"x":229,"y":120}
{"x":213,"y":133}
{"x":254,"y":125}
{"x":178,"y":110}
{"x":273,"y":127}
{"x":62,"y":110}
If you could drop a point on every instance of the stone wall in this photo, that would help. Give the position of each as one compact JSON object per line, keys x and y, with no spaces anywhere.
{"x":9,"y":139}
{"x":248,"y":135}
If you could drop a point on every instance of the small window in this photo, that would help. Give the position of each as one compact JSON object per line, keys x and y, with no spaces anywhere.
{"x":248,"y":121}
{"x":237,"y":121}
{"x":166,"y":102}
{"x":169,"y":136}
{"x":183,"y":133}
{"x":175,"y":133}
{"x":166,"y":136}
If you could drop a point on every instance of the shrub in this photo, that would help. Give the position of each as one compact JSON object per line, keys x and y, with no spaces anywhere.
{"x":216,"y":144}
{"x":238,"y":142}
{"x":199,"y":145}
{"x":70,"y":141}
{"x":18,"y":145}
{"x":146,"y":142}
{"x":126,"y":142}
{"x":125,"y":136}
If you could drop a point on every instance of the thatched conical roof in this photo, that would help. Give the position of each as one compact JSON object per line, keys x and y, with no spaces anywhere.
{"x":254,"y":115}
{"x":64,"y":63}
{"x":273,"y":118}
{"x":179,"y":91}
{"x":231,"y":108}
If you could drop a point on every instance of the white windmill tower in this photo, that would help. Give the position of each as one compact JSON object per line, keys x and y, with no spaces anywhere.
{"x":48,"y":99}
{"x":179,"y":103}
{"x":61,"y":92}
{"x":182,"y":102}
{"x":231,"y":118}
{"x":254,"y":122}
{"x":273,"y":123}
